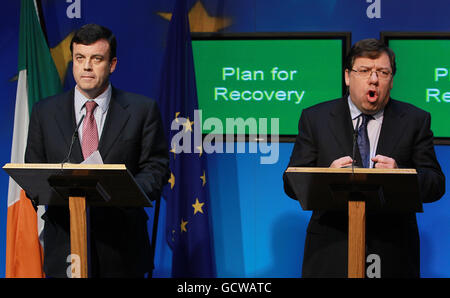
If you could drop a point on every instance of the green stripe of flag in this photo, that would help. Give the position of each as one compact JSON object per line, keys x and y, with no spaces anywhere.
{"x":34,"y":56}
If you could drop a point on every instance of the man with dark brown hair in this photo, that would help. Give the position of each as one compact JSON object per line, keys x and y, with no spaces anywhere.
{"x":392,"y":134}
{"x":125,"y":128}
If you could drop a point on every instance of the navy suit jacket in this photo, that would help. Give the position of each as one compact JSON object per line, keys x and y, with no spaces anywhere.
{"x":326,"y":134}
{"x":132,"y":135}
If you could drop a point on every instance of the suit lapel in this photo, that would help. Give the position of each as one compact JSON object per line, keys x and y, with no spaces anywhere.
{"x":391,"y":129}
{"x":340,"y":124}
{"x":116,"y":119}
{"x":67,"y":124}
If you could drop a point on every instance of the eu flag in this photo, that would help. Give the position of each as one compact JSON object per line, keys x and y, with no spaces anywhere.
{"x":188,"y":226}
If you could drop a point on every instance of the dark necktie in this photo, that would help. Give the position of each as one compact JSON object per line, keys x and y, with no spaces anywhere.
{"x":90,"y":133}
{"x":363,"y":140}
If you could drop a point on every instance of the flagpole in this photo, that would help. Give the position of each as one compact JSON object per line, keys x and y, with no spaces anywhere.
{"x":154,"y":234}
{"x":40,"y":14}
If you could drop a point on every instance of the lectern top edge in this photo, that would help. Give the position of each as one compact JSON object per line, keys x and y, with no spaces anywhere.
{"x":350,"y":170}
{"x":65,"y":166}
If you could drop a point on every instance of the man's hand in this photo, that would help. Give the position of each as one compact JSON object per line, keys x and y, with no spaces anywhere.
{"x":342,"y":162}
{"x":381,"y":161}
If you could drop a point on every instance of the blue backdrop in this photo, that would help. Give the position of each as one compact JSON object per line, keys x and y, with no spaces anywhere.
{"x":257,"y":230}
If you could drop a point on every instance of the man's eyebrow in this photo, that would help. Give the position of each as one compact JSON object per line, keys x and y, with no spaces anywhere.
{"x":92,"y":56}
{"x":98,"y":56}
{"x":370,"y":67}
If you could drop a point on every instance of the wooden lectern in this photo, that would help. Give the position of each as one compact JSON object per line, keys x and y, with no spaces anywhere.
{"x":78,"y":185}
{"x":356,"y":190}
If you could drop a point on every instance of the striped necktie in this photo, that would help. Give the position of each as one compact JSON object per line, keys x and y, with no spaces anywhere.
{"x":363,"y":140}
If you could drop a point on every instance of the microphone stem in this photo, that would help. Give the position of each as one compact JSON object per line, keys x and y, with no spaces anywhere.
{"x":74,"y":136}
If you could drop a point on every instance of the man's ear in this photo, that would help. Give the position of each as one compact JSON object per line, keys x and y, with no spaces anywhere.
{"x":112,"y":65}
{"x":347,"y":78}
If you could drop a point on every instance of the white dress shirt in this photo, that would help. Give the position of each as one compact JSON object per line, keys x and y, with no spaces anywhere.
{"x":99,"y":113}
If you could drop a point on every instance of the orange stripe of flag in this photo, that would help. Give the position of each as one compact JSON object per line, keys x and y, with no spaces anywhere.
{"x":24,"y":253}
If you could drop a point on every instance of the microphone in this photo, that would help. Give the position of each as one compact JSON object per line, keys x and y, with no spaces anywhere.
{"x":355,"y":141}
{"x":74,"y":136}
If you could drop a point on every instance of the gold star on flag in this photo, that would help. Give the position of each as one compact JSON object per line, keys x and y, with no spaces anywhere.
{"x":198,"y":206}
{"x":173,"y":150}
{"x":188,"y":125}
{"x":62,"y":56}
{"x":176,"y":116}
{"x":200,"y":149}
{"x":183,"y":226}
{"x":172,"y":180}
{"x":203,"y":179}
{"x":200,"y":20}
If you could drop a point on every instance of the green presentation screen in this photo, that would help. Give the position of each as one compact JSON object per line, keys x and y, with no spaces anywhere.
{"x":266,"y":77}
{"x":423,"y":75}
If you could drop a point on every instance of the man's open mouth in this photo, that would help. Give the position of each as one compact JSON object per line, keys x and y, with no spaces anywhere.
{"x":372,"y":95}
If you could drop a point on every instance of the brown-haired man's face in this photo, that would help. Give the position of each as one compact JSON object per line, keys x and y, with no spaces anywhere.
{"x":92,"y":67}
{"x":370,"y":94}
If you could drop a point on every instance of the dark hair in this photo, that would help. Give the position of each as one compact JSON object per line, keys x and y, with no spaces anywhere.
{"x":369,"y":48}
{"x":90,"y":33}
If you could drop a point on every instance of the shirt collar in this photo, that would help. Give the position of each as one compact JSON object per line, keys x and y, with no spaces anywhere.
{"x":102,"y":100}
{"x":355,"y":112}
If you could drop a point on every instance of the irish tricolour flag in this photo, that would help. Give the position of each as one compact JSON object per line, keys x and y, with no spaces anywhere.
{"x":38,"y":78}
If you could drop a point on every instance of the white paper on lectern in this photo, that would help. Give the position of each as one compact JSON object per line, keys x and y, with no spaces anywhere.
{"x":94,"y":158}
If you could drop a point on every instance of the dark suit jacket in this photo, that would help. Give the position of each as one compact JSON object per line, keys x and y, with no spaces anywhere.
{"x":325,"y":134}
{"x":132,"y":135}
